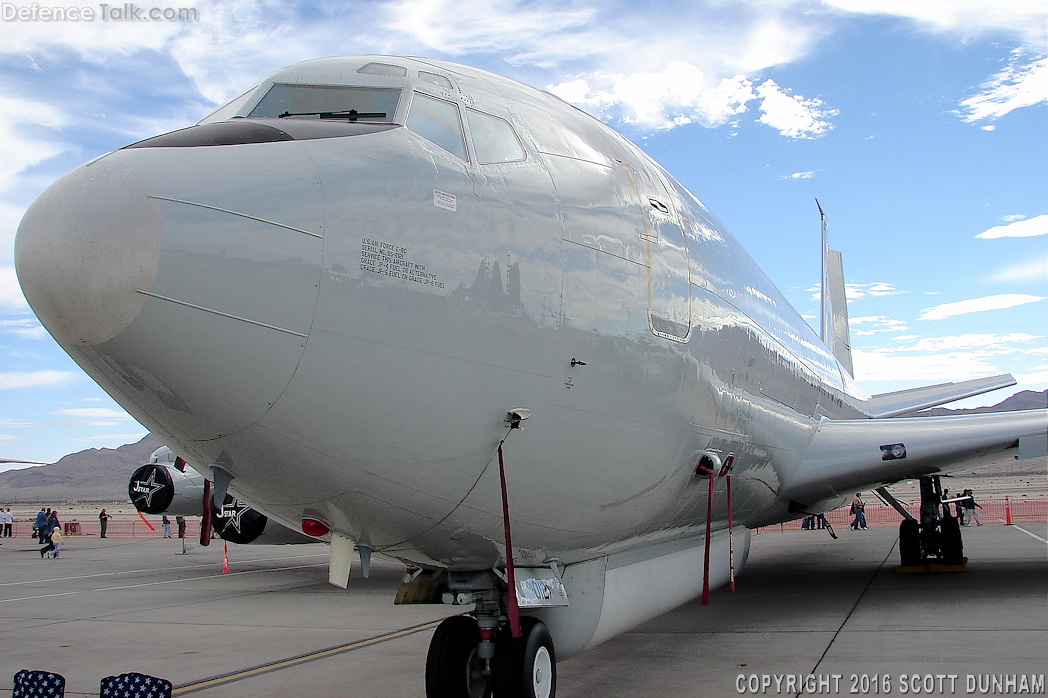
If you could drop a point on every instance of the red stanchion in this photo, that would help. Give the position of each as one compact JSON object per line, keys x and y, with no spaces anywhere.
{"x":731,"y":547}
{"x":225,"y":557}
{"x":706,"y":556}
{"x":512,"y":610}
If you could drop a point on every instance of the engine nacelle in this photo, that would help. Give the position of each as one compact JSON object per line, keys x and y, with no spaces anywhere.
{"x":160,"y":488}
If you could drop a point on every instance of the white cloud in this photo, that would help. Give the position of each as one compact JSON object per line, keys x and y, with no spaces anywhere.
{"x":677,"y":95}
{"x":32,"y":379}
{"x":126,"y":438}
{"x":854,"y":291}
{"x":877,"y":323}
{"x":1017,"y":85}
{"x":1035,"y":269}
{"x":881,"y":365}
{"x":1021,"y":228}
{"x":799,"y":175}
{"x":96,"y":412}
{"x":978,"y":305}
{"x":26,"y":328}
{"x":27,"y":135}
{"x":11,"y":297}
{"x":965,"y":17}
{"x":1038,"y":376}
{"x":970,"y":341}
{"x":793,"y":115}
{"x":1012,"y":217}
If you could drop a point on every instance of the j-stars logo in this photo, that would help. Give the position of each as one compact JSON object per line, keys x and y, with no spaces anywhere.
{"x":145,"y":489}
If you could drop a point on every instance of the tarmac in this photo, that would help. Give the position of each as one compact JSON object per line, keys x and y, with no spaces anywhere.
{"x":804,"y":605}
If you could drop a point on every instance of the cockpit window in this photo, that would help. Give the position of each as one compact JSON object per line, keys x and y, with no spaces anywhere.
{"x":437,"y":121}
{"x":230,"y":108}
{"x":435,"y":79}
{"x":396,"y":71}
{"x":493,"y":139}
{"x":328,"y":102}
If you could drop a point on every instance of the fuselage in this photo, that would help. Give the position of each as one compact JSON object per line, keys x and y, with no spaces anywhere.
{"x":339,"y":312}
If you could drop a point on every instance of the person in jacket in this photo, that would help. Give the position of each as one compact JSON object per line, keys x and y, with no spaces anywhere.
{"x":858,"y":510}
{"x":103,"y":520}
{"x":969,"y":508}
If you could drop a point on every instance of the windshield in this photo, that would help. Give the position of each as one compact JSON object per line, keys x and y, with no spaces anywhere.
{"x":328,"y":102}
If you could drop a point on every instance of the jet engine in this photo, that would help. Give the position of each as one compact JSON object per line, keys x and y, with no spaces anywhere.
{"x":164,"y":486}
{"x":159,"y":488}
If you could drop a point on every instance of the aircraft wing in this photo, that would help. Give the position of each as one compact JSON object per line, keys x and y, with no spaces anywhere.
{"x":908,"y":401}
{"x":851,"y":455}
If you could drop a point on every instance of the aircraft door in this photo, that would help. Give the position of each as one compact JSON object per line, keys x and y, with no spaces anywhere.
{"x":669,"y":277}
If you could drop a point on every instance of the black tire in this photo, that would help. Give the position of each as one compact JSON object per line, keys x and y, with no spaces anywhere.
{"x":525,"y":667}
{"x":909,"y":543}
{"x":453,"y":669}
{"x":951,"y":545}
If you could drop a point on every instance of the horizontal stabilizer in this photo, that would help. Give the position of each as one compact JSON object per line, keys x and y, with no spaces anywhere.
{"x":906,"y":401}
{"x":852,"y":455}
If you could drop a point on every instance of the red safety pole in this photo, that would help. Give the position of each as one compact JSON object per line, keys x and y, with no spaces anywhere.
{"x":1007,"y":512}
{"x":512,"y":610}
{"x":731,"y":547}
{"x":225,"y":558}
{"x":706,"y":557}
{"x":205,"y":516}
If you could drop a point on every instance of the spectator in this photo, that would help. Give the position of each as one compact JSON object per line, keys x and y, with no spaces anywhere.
{"x":165,"y":524}
{"x":9,"y":521}
{"x":181,"y":522}
{"x":103,"y":519}
{"x":41,"y":525}
{"x":858,"y":510}
{"x":969,"y":508}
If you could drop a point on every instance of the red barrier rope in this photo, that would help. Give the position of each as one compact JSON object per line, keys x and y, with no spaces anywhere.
{"x":706,"y":556}
{"x":731,"y":547}
{"x":148,"y":525}
{"x":512,"y":610}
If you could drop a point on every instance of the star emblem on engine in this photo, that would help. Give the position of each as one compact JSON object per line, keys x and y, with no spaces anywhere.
{"x":232,"y":512}
{"x":147,"y":488}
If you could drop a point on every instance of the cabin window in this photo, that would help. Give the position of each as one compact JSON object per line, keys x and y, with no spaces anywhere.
{"x":337,"y":102}
{"x":493,"y":139}
{"x":438,"y":122}
{"x":395,"y":71}
{"x":434,"y":79}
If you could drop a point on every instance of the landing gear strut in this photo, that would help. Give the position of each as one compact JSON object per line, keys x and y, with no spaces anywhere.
{"x":475,"y":656}
{"x":936,"y":538}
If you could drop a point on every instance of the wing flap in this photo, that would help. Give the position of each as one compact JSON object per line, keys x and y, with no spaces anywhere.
{"x":907,"y":401}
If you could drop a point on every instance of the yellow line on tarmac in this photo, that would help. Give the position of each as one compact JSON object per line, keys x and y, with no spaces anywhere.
{"x":302,"y":659}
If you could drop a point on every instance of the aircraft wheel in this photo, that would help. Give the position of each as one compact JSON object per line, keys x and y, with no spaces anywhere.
{"x":453,"y":669}
{"x":952,"y":547}
{"x":526,"y":667}
{"x":909,"y":543}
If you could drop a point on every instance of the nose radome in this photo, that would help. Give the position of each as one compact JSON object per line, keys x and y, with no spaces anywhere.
{"x":85,"y":247}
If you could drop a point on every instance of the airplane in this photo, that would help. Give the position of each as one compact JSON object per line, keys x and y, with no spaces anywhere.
{"x":420,"y":310}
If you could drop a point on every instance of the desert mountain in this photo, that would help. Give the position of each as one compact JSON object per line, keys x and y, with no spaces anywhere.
{"x":97,"y":474}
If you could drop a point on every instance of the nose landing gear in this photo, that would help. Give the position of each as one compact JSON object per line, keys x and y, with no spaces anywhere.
{"x":476,"y":656}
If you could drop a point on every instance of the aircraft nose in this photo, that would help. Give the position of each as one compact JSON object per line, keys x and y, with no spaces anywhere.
{"x":86,"y":247}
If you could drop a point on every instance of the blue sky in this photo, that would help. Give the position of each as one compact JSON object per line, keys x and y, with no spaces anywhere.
{"x":919,"y":125}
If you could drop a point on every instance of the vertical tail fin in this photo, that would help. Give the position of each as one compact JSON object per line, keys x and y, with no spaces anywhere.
{"x":833,"y":318}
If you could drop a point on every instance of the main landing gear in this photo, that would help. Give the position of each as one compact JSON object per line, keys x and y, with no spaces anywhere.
{"x":476,"y":656}
{"x":936,"y":538}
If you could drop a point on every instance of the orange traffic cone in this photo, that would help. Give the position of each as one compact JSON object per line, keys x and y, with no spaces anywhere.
{"x":225,"y":558}
{"x":1007,"y":512}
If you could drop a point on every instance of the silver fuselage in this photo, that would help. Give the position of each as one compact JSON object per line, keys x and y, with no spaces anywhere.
{"x":320,"y":319}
